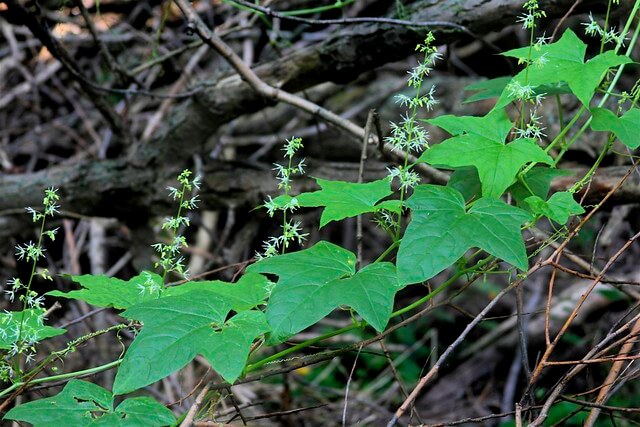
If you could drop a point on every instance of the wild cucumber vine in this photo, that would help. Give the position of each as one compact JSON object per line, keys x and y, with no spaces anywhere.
{"x":491,"y":156}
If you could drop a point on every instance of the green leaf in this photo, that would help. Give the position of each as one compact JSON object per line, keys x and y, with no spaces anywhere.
{"x":441,"y":231}
{"x":370,"y":292}
{"x":538,"y":182}
{"x":176,"y":329}
{"x":103,"y":291}
{"x":394,"y":206}
{"x":32,"y":328}
{"x":81,"y":403}
{"x":487,"y":89}
{"x":250,"y":291}
{"x":563,"y":62}
{"x":559,"y":207}
{"x":228,"y":349}
{"x":493,"y":88}
{"x":466,"y":181}
{"x":495,"y":125}
{"x":302,"y":275}
{"x":497,"y":163}
{"x":626,"y":128}
{"x":144,"y":411}
{"x":345,"y":199}
{"x":314,"y":282}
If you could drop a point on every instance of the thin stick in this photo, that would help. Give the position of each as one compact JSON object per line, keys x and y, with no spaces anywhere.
{"x":346,"y":392}
{"x":363,"y":158}
{"x":249,"y":76}
{"x":188,"y":420}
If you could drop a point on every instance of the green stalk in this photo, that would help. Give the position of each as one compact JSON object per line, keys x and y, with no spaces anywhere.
{"x":68,"y":375}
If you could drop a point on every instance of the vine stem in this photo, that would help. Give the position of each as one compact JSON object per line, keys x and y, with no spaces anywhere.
{"x":68,"y":375}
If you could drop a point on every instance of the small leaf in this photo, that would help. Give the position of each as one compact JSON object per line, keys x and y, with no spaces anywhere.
{"x":103,"y":291}
{"x":32,"y":328}
{"x":81,"y":404}
{"x":441,"y":231}
{"x":538,"y":182}
{"x":559,"y":207}
{"x":345,"y":199}
{"x":394,"y":206}
{"x":493,"y":88}
{"x":626,"y":128}
{"x":497,"y":163}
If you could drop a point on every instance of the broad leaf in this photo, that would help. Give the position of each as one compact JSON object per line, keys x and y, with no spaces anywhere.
{"x":626,"y":128}
{"x":103,"y":291}
{"x":176,"y":329}
{"x":27,"y":325}
{"x":495,"y":125}
{"x":81,"y":403}
{"x":302,"y":275}
{"x":497,"y":163}
{"x":441,"y":231}
{"x":345,"y":199}
{"x":559,"y":207}
{"x":310,"y":287}
{"x":563,"y":61}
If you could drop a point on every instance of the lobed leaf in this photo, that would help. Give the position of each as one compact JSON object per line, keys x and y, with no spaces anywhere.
{"x":103,"y":291}
{"x":442,"y":230}
{"x":497,"y":163}
{"x":625,"y":128}
{"x":345,"y":199}
{"x":563,"y":61}
{"x":559,"y":207}
{"x":81,"y":403}
{"x":249,"y":292}
{"x":32,"y":328}
{"x":495,"y":125}
{"x":314,"y":282}
{"x":177,"y":328}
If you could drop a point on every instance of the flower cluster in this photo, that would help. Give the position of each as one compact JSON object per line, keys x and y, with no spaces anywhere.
{"x":33,"y":252}
{"x":21,"y":330}
{"x":170,"y":258}
{"x":408,"y":136}
{"x":284,"y":173}
{"x":532,"y":129}
{"x":291,"y":230}
{"x":593,"y":28}
{"x":528,"y":19}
